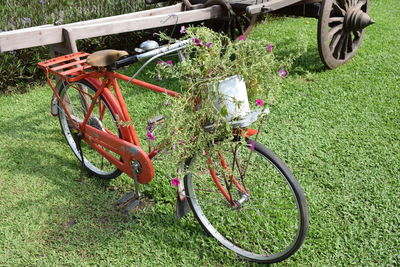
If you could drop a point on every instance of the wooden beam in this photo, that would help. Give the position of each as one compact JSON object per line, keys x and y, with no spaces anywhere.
{"x":270,"y":6}
{"x":50,"y":34}
{"x":94,"y":30}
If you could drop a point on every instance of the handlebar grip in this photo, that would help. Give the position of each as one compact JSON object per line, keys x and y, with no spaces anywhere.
{"x":126,"y":61}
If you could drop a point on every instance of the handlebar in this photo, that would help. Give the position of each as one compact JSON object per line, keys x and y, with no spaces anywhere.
{"x":143,"y":56}
{"x":126,"y":61}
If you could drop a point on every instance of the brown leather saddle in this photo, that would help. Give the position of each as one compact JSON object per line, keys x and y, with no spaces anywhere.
{"x":104,"y":58}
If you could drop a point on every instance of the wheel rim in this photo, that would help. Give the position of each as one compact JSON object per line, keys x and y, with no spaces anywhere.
{"x":94,"y":161}
{"x":267,"y":227}
{"x":340,"y":30}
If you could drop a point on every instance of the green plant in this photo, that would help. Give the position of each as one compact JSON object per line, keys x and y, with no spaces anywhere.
{"x":210,"y":58}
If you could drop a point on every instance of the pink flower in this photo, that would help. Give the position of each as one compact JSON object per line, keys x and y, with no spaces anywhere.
{"x":252,"y":145}
{"x":175,"y":181}
{"x":168,"y":62}
{"x":282,"y":73}
{"x":241,"y":38}
{"x":198,"y":42}
{"x":150,"y":135}
{"x":269,"y":48}
{"x":208,"y":44}
{"x":181,"y":142}
{"x":183,"y":29}
{"x":259,"y":102}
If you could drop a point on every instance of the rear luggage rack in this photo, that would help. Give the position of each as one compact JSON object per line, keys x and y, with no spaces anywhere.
{"x":70,"y":67}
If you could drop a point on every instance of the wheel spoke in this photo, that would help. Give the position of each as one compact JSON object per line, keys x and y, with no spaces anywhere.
{"x":349,"y":43}
{"x":357,"y":35}
{"x":360,"y":4}
{"x":336,"y":7}
{"x":338,"y":47}
{"x":334,"y":41}
{"x":334,"y":30}
{"x":336,"y":19}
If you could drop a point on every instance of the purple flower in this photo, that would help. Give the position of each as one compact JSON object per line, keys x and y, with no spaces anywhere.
{"x":173,"y":147}
{"x":159,"y":77}
{"x":252,"y":145}
{"x":269,"y":48}
{"x":150,"y":135}
{"x":149,"y":126}
{"x":198,"y":42}
{"x":183,"y":29}
{"x":42,"y":2}
{"x":175,"y":181}
{"x":259,"y":102}
{"x":57,"y":22}
{"x":12,"y":52}
{"x":208,"y":44}
{"x":282,"y":73}
{"x":241,"y":38}
{"x":27,"y":20}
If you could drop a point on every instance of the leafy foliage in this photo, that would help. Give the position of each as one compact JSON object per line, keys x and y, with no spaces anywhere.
{"x":211,"y":57}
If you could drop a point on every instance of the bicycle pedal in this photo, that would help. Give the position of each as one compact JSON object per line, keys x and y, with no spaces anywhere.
{"x":124,"y":200}
{"x":134,"y":205}
{"x":156,"y":119}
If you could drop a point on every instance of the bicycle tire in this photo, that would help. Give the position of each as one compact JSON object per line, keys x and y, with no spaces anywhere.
{"x":94,"y":162}
{"x":248,"y":231}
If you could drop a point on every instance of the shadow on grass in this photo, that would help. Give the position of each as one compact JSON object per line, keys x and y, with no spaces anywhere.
{"x":81,"y":214}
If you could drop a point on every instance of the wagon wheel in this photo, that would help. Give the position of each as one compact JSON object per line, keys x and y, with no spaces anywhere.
{"x":341,"y":27}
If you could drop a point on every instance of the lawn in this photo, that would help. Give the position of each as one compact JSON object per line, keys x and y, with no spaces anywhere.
{"x":338,"y":130}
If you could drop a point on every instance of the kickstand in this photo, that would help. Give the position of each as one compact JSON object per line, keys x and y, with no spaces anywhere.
{"x":78,"y":140}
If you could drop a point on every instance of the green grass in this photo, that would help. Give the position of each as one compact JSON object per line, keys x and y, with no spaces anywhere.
{"x":338,"y":130}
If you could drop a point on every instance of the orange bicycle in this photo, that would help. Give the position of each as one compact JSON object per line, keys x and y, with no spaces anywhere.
{"x":244,"y":195}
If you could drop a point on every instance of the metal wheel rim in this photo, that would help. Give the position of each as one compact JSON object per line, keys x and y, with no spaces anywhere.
{"x":273,"y":257}
{"x":71,"y":141}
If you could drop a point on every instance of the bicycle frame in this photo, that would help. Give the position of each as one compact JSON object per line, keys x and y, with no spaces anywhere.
{"x":128,"y":146}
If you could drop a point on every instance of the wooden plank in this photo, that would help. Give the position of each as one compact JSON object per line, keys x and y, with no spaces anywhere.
{"x":50,"y":34}
{"x":270,"y":6}
{"x":93,"y":30}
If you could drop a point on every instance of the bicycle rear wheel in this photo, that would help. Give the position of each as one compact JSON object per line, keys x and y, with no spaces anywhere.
{"x":102,"y":118}
{"x":267,"y":219}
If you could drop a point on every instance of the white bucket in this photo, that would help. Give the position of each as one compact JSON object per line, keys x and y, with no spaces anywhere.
{"x":232,"y":94}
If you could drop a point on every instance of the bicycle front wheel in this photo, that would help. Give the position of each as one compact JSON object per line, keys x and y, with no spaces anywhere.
{"x":77,"y":98}
{"x":246,"y":198}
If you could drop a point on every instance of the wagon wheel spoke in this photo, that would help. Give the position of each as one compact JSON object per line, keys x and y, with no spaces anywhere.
{"x":336,"y":19}
{"x":338,"y":9}
{"x":340,"y":29}
{"x":335,"y":30}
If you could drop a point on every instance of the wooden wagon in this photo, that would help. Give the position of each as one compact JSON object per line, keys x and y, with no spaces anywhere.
{"x":341,"y":24}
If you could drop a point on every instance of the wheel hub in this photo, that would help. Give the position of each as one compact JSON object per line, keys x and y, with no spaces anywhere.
{"x":356,"y":19}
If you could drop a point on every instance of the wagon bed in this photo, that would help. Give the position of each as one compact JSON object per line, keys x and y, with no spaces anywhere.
{"x":341,"y":24}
